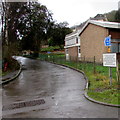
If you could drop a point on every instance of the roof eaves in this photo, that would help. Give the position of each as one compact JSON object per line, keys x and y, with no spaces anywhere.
{"x":102,"y":24}
{"x":84,"y":27}
{"x":106,"y":24}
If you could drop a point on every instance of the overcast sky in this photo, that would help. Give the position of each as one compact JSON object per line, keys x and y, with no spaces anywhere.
{"x":77,"y":11}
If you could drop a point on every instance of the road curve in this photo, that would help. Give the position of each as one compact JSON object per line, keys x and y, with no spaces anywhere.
{"x":61,"y":88}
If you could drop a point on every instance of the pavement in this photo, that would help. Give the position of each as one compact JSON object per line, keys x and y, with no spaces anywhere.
{"x":61,"y":88}
{"x":9,"y":75}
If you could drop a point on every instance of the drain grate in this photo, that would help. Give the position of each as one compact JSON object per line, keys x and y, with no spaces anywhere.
{"x":23,"y":104}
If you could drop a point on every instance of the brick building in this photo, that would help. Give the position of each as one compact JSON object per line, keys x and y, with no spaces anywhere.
{"x":72,"y":41}
{"x":92,"y":37}
{"x":72,"y":45}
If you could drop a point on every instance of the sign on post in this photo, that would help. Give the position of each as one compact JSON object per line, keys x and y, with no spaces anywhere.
{"x":109,"y":60}
{"x":107,"y":41}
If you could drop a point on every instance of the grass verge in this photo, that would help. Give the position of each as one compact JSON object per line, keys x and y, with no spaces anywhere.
{"x":101,"y":90}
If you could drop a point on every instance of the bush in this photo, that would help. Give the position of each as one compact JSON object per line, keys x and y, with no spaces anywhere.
{"x":12,"y":64}
{"x":50,"y":49}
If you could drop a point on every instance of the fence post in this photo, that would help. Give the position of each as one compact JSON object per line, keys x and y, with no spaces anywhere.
{"x":64,"y":59}
{"x":79,"y":63}
{"x":76,"y":62}
{"x":110,"y":74}
{"x":84,"y":63}
{"x":94,"y":67}
{"x":118,"y":72}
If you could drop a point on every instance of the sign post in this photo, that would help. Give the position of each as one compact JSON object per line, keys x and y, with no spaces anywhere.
{"x":109,"y":60}
{"x":107,"y":41}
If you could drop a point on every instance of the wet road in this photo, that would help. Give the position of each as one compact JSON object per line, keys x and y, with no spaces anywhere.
{"x":60,"y":87}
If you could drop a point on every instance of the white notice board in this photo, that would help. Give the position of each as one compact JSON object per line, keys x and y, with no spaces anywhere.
{"x":109,"y":59}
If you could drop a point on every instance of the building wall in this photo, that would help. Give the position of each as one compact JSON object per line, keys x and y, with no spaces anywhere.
{"x":115,"y":33}
{"x":73,"y":52}
{"x":72,"y":42}
{"x":92,"y":42}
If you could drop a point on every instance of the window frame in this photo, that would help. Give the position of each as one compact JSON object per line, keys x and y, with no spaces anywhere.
{"x":118,"y":47}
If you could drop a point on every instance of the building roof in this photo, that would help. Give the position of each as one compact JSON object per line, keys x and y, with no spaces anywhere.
{"x":100,"y":17}
{"x":72,"y":34}
{"x":104,"y":24}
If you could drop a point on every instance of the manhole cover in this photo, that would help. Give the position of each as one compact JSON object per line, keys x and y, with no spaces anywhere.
{"x":23,"y":104}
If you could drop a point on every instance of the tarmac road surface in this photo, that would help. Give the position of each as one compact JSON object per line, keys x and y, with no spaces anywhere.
{"x":61,"y":88}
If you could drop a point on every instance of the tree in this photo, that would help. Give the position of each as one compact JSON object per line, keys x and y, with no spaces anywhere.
{"x":11,"y":13}
{"x":113,"y":16}
{"x":26,"y":25}
{"x":33,"y":26}
{"x":117,"y":16}
{"x":58,"y":33}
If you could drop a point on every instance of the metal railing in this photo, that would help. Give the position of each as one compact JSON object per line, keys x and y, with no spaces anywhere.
{"x":85,"y":64}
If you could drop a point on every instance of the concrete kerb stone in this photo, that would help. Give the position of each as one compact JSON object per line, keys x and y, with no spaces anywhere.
{"x":14,"y":77}
{"x":86,"y":88}
{"x":98,"y":102}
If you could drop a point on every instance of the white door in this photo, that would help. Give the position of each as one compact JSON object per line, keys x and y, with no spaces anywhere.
{"x":67,"y":55}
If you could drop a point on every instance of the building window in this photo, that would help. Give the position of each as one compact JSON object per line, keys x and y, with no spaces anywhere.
{"x":76,"y":39}
{"x":115,"y":46}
